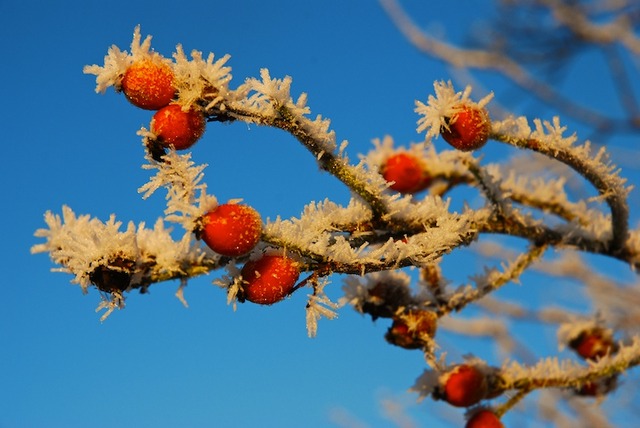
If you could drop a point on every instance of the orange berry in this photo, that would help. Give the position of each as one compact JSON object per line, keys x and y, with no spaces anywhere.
{"x":484,"y":418}
{"x":406,"y":173}
{"x":269,"y":279}
{"x":468,"y":129}
{"x":148,"y":84}
{"x":464,"y":386}
{"x":178,"y":128}
{"x":231,"y":229}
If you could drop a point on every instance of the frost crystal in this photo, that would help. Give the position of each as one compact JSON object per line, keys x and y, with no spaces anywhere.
{"x":319,"y":306}
{"x":116,"y":62}
{"x":82,"y":244}
{"x":270,"y":99}
{"x":312,"y":229}
{"x":426,"y":383}
{"x":199,"y":78}
{"x":443,"y":106}
{"x":569,"y":371}
{"x":98,"y":253}
{"x":187,"y":198}
{"x":115,"y":300}
{"x":549,"y":136}
{"x":232,"y":282}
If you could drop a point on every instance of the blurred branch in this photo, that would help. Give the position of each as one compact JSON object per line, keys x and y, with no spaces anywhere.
{"x":498,"y":58}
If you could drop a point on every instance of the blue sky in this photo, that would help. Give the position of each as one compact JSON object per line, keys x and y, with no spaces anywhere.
{"x":157,"y":364}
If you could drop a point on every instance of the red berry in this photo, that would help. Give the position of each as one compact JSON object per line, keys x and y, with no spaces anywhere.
{"x":412,"y":329}
{"x":406,"y":172}
{"x":464,"y":386}
{"x":593,"y":344}
{"x":468,"y":129}
{"x":269,"y":279}
{"x":178,"y":128}
{"x":148,"y":84}
{"x":231,"y":229}
{"x":484,"y":419}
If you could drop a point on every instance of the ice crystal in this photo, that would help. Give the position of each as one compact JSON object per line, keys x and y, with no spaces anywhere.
{"x":441,"y":108}
{"x":313,"y":227}
{"x":180,"y":292}
{"x":116,"y":62}
{"x":426,"y":383}
{"x":430,"y":211}
{"x":199,"y":78}
{"x":168,"y":257}
{"x":87,"y":247}
{"x":110,"y":302}
{"x":551,"y":191}
{"x":232,"y":282}
{"x":597,"y":228}
{"x":550,"y":368}
{"x":363,"y":173}
{"x":313,"y":231}
{"x":569,"y":371}
{"x":81,"y":244}
{"x":548,"y":136}
{"x":318,"y":306}
{"x":187,"y":198}
{"x":266,"y":95}
{"x":270,"y":98}
{"x":428,"y":246}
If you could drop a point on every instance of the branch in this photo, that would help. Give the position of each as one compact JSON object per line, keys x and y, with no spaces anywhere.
{"x":504,"y":65}
{"x":599,"y":173}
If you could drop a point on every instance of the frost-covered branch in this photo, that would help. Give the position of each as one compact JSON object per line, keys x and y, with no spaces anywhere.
{"x":116,"y":261}
{"x":269,"y":103}
{"x":391,"y":242}
{"x":547,"y":139}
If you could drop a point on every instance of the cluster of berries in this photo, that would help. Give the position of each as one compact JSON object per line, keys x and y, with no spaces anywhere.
{"x":231,"y":230}
{"x":465,"y":385}
{"x":466,"y":130}
{"x":149,"y":84}
{"x":234,"y":230}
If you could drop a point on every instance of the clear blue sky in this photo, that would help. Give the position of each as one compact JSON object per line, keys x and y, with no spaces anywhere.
{"x":157,"y":364}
